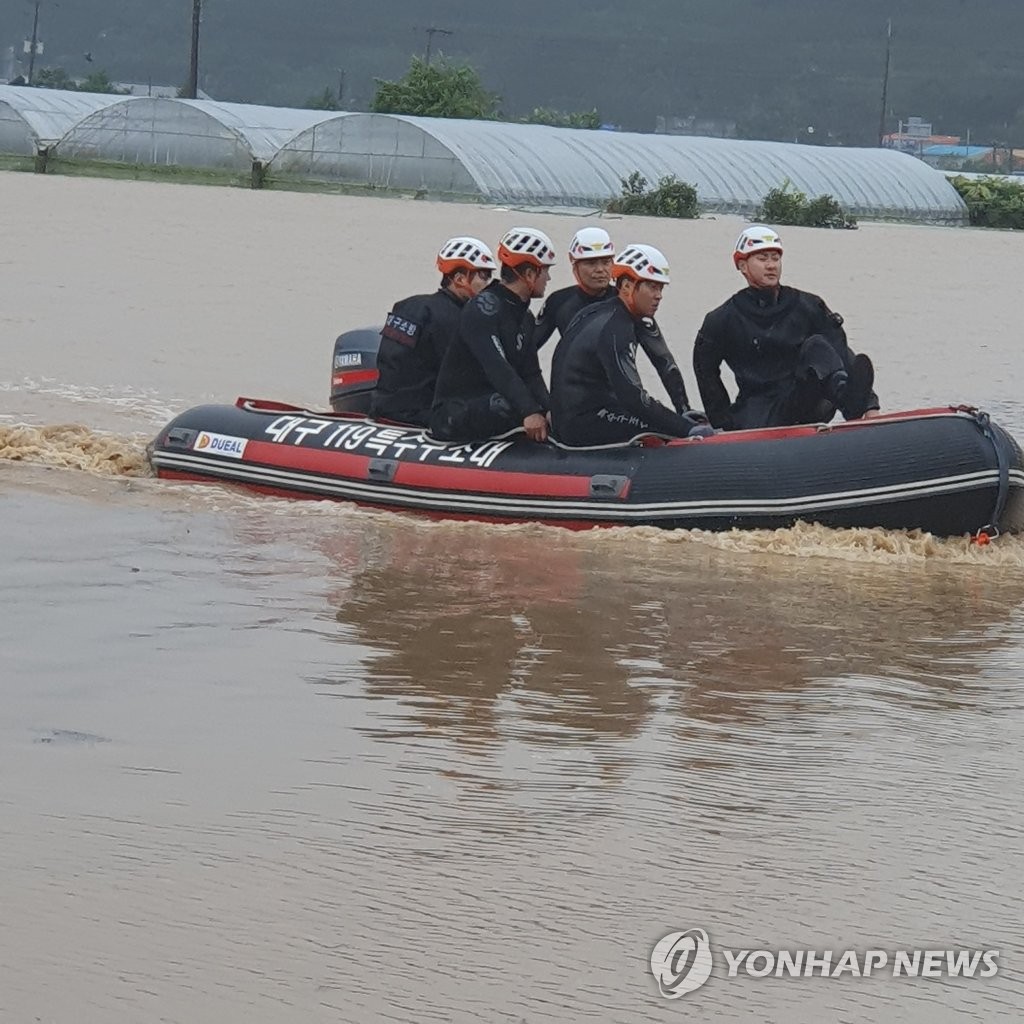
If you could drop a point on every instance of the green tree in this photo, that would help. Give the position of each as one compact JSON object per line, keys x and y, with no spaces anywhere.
{"x":326,"y":100}
{"x":54,"y":78}
{"x":99,"y":81}
{"x":58,"y":78}
{"x":439,"y":89}
{"x":560,"y":119}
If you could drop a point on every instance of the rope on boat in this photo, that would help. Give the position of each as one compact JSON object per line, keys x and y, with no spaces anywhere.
{"x":999,"y":444}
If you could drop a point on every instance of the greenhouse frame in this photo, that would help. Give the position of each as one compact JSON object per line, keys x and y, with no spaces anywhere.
{"x":498,"y":162}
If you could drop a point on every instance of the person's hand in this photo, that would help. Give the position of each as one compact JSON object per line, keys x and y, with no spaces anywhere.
{"x":536,"y":426}
{"x":699,"y":425}
{"x":872,"y":413}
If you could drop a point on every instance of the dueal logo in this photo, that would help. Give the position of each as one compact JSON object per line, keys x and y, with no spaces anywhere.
{"x":682,"y":962}
{"x":221,"y":444}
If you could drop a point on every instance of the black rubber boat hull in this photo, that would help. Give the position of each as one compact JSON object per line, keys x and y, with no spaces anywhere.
{"x":949,"y":471}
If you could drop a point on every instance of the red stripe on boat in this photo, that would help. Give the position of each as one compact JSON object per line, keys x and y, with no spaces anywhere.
{"x":493,"y":481}
{"x":349,"y":466}
{"x":330,"y":462}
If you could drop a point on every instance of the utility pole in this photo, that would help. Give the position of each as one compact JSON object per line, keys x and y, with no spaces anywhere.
{"x":34,"y":44}
{"x":192,"y":86}
{"x":431,"y":32}
{"x":885,"y":83}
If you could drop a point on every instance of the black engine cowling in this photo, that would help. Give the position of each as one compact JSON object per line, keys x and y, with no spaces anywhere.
{"x":354,"y":370}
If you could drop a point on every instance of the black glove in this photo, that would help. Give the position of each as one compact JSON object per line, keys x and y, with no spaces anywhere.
{"x":699,"y":424}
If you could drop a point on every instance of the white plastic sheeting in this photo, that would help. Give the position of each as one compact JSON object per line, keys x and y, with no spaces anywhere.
{"x":185,"y":133}
{"x":538,"y":165}
{"x":527,"y":165}
{"x":34,"y":118}
{"x":381,"y":151}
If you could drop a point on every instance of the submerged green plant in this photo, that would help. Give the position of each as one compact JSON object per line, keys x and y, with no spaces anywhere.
{"x":669,"y":198}
{"x":788,"y":205}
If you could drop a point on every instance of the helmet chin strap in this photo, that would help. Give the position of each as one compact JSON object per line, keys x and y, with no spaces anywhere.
{"x":463,"y":291}
{"x":629,"y":302}
{"x":519,"y":272}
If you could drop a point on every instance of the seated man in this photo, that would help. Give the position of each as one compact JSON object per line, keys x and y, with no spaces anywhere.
{"x":596,"y":394}
{"x":490,"y":381}
{"x":418,"y":330}
{"x":591,"y":253}
{"x":786,"y":349}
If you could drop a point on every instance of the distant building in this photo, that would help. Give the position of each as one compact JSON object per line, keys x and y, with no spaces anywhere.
{"x":992,"y":159}
{"x":706,"y":127}
{"x":915,"y":135}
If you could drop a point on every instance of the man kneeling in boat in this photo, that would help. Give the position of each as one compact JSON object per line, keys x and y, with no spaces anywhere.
{"x":591,"y":254}
{"x":787,"y":350}
{"x":418,"y":329}
{"x":490,"y":382}
{"x":596,"y":394}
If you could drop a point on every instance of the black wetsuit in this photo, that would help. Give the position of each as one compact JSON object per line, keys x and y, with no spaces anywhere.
{"x":790,"y":357}
{"x":596,"y":394}
{"x":413,"y":342}
{"x":562,"y":307}
{"x":490,"y":379}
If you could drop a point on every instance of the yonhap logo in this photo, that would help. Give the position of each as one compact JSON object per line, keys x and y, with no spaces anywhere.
{"x":681,"y":962}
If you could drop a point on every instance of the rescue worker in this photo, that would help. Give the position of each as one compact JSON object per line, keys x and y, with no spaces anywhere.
{"x":418,"y":330}
{"x":597,"y":397}
{"x":591,"y":253}
{"x":490,"y":382}
{"x":787,"y":350}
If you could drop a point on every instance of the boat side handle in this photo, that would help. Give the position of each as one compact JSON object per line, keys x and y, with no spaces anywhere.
{"x":180,"y":437}
{"x":382,"y":469}
{"x":605,"y":486}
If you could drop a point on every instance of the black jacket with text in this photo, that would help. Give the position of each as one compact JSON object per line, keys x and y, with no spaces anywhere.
{"x":493,"y":352}
{"x":415,"y":337}
{"x":562,"y":307}
{"x":594,"y":378}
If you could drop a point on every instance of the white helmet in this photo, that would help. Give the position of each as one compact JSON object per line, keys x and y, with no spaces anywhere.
{"x":526,"y":245}
{"x":641,"y":263}
{"x":756,"y":238}
{"x":591,"y":244}
{"x":464,"y":253}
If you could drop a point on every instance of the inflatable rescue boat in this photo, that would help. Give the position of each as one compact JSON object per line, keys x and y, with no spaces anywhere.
{"x":947,"y":470}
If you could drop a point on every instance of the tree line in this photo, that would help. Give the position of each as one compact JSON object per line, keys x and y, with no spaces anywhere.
{"x":765,"y":70}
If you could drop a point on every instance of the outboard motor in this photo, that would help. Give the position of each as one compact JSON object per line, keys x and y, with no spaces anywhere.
{"x":354,"y":370}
